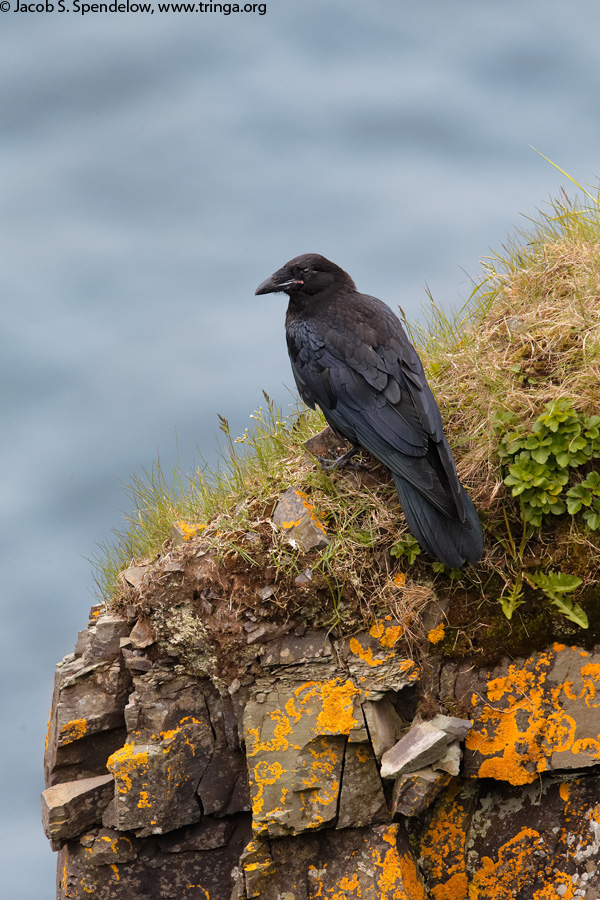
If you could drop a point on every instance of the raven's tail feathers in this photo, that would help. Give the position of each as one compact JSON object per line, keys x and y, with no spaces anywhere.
{"x":450,"y":541}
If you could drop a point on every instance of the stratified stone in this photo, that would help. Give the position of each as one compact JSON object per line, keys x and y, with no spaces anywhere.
{"x":142,"y":634}
{"x":374,"y":663}
{"x":122,"y":867}
{"x":134,"y":575}
{"x":384,"y":724}
{"x":414,"y":793}
{"x":184,"y":531}
{"x":87,"y":720}
{"x":70,"y":808}
{"x":206,"y":835}
{"x":293,"y":650}
{"x":157,"y":705}
{"x":454,"y":727}
{"x":103,"y":639}
{"x":373,"y":863}
{"x":362,"y":801}
{"x":422,"y":745}
{"x":224,"y":787}
{"x":156,"y":780}
{"x":299,"y":521}
{"x":295,"y":745}
{"x":107,"y":847}
{"x":533,"y":715}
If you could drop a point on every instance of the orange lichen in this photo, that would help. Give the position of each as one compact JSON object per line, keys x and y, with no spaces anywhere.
{"x":522,"y":724}
{"x":281,"y":730}
{"x":365,"y":653}
{"x":387,"y":635}
{"x":437,"y":634}
{"x":399,"y":579}
{"x":514,"y":868}
{"x":398,"y":877}
{"x":187,"y":530}
{"x":443,"y":846}
{"x":124,"y":762}
{"x":73,"y":731}
{"x":549,"y":891}
{"x":144,"y":802}
{"x":314,"y":516}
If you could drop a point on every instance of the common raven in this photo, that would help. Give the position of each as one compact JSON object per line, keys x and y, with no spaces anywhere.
{"x":351,"y":356}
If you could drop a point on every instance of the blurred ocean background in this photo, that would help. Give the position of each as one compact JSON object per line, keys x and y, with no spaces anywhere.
{"x":153,"y":170}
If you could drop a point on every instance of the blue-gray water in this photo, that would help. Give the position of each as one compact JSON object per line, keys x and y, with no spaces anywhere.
{"x":156,"y":168}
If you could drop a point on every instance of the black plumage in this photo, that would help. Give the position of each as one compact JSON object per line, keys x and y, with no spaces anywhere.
{"x":351,"y":356}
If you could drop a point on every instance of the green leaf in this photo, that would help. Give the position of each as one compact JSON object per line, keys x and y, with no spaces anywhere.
{"x":555,"y":582}
{"x":592,"y":519}
{"x":572,"y":611}
{"x":512,"y":600}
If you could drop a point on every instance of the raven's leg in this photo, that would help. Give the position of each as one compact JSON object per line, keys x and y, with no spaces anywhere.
{"x":339,"y":462}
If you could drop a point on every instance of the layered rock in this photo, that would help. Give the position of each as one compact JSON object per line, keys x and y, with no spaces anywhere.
{"x":306,"y":777}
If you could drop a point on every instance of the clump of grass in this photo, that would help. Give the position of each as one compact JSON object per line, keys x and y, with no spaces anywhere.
{"x":250,"y":474}
{"x":526,"y":341}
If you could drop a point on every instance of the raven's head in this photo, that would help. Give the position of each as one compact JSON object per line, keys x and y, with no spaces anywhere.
{"x":306,"y":276}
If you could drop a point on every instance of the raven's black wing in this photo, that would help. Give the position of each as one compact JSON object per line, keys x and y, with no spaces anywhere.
{"x":368,"y":379}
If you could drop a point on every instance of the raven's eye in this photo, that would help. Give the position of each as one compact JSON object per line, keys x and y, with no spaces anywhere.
{"x":307,"y":271}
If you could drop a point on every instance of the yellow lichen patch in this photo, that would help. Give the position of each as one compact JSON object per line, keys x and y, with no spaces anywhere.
{"x":396,"y":875}
{"x":144,"y":802}
{"x":590,"y":674}
{"x":281,"y":728}
{"x":522,"y":727}
{"x":515,"y":736}
{"x":443,"y":847}
{"x":515,"y":866}
{"x":337,"y":714}
{"x":387,"y":635}
{"x":124,"y":762}
{"x":73,"y":731}
{"x":366,"y":654}
{"x":115,"y":871}
{"x":399,"y":579}
{"x":437,"y":634}
{"x":315,"y":517}
{"x":564,"y":791}
{"x":550,"y":892}
{"x":187,"y":530}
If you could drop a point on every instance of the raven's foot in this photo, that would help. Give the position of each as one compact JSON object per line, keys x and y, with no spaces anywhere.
{"x":338,"y":462}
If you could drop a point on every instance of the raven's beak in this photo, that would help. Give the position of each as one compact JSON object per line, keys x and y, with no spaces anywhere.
{"x":276,"y":283}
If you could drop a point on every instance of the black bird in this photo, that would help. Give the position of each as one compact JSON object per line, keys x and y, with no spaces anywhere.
{"x":351,"y":356}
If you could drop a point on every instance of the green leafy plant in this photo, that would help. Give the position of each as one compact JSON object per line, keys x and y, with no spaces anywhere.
{"x":539,"y":461}
{"x":555,"y":585}
{"x":406,"y":548}
{"x":586,"y":494}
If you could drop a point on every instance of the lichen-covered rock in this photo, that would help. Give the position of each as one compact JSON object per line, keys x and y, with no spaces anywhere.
{"x":490,"y":841}
{"x":300,"y":522}
{"x":295,"y":741}
{"x":107,"y":865}
{"x":166,"y":785}
{"x":87,"y":721}
{"x":533,"y":715}
{"x":354,"y":864}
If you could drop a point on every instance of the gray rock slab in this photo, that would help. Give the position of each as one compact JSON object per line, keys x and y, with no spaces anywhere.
{"x":299,"y":521}
{"x":414,"y":792}
{"x":422,"y":745}
{"x":384,"y":724}
{"x":72,"y":807}
{"x":362,"y":801}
